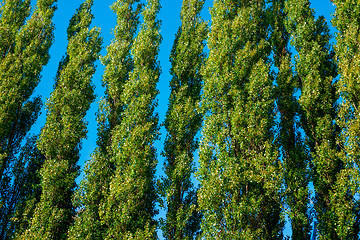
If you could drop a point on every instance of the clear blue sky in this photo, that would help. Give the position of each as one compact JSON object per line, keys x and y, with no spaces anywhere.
{"x":106,"y":19}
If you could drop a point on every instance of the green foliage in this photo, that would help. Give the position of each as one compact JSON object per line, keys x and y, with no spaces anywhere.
{"x":23,"y":52}
{"x":118,"y":195}
{"x":21,"y":63}
{"x":13,"y":15}
{"x":89,"y":224}
{"x":130,"y":204}
{"x":65,"y":127}
{"x":347,"y":22}
{"x":182,"y":122}
{"x":316,"y":70}
{"x":255,"y":162}
{"x":295,"y":160}
{"x":239,"y":171}
{"x":10,"y":190}
{"x":27,"y":189}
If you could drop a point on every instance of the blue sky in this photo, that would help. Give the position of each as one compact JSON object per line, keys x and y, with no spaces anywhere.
{"x":106,"y":19}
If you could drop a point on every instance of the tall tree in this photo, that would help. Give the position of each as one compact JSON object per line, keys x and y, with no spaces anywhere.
{"x":27,"y":115}
{"x":183,"y":120}
{"x":23,"y":52}
{"x":347,"y":209}
{"x":99,"y":171}
{"x":65,"y":127}
{"x":21,"y":64}
{"x":292,"y":148}
{"x":130,"y":205}
{"x":11,"y":188}
{"x":239,"y":173}
{"x":316,"y":71}
{"x":26,"y":190}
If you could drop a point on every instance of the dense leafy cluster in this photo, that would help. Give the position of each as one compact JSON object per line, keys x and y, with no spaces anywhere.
{"x":274,"y":100}
{"x":291,"y":147}
{"x":183,"y":120}
{"x":240,"y":172}
{"x":24,"y":51}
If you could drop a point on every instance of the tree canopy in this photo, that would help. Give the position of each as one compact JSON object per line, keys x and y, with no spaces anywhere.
{"x":259,"y":137}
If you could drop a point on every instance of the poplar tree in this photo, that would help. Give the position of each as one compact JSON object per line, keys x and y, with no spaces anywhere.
{"x":13,"y":15}
{"x":316,"y":71}
{"x":239,"y":173}
{"x":9,"y":186}
{"x":183,"y":120}
{"x":18,"y":178}
{"x":94,"y":189}
{"x":129,"y":207}
{"x":24,"y":53}
{"x":294,"y":157}
{"x":65,"y":126}
{"x":347,"y":50}
{"x":24,"y":50}
{"x":26,"y":191}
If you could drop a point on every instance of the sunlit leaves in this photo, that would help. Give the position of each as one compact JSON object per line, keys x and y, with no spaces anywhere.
{"x":129,"y":207}
{"x":291,"y":145}
{"x":346,"y":20}
{"x":183,"y":120}
{"x":316,"y":70}
{"x":239,"y":171}
{"x":118,"y":193}
{"x":24,"y":49}
{"x":65,"y":128}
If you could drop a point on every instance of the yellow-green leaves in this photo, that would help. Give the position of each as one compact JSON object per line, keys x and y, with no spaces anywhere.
{"x":24,"y":47}
{"x":118,"y":193}
{"x":316,"y":70}
{"x":65,"y":128}
{"x":291,"y":146}
{"x":239,"y":173}
{"x":183,"y":120}
{"x":129,"y":207}
{"x":346,"y":20}
{"x":95,"y":220}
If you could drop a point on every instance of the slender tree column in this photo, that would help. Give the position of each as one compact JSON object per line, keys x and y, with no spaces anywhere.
{"x":65,"y":128}
{"x":99,"y":171}
{"x":347,"y":209}
{"x":23,"y":54}
{"x":295,"y":159}
{"x":26,"y":190}
{"x":239,"y":173}
{"x":24,"y":50}
{"x":183,"y":120}
{"x":316,"y":71}
{"x":130,"y":205}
